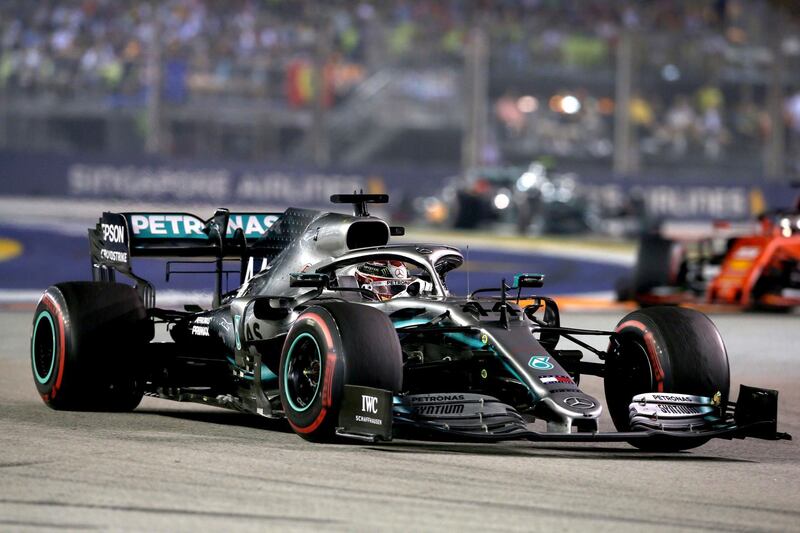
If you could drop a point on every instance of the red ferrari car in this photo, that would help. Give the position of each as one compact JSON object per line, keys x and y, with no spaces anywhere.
{"x":752,"y":265}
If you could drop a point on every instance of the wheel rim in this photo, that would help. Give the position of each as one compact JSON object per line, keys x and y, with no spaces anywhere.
{"x":635,"y":375}
{"x":630,"y":374}
{"x":302,"y":372}
{"x":43,"y":347}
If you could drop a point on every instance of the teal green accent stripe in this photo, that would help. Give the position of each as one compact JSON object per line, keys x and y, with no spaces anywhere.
{"x":247,"y":375}
{"x":236,"y":320}
{"x":413,"y":322}
{"x":460,"y":337}
{"x":286,"y":372}
{"x":43,"y":380}
{"x":466,"y":339}
{"x":267,"y":374}
{"x":469,"y":341}
{"x":517,"y":276}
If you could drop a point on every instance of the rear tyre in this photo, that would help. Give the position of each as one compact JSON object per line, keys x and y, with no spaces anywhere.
{"x":665,"y":349}
{"x":329,"y":346}
{"x":87,"y":338}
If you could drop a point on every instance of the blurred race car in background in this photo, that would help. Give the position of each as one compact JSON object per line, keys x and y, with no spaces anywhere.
{"x":753,"y":264}
{"x":534,"y":200}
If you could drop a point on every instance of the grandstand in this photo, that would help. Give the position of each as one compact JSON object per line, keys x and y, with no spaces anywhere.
{"x":628,"y":87}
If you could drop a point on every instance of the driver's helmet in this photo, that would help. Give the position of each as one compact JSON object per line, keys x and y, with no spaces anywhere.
{"x":387,"y":279}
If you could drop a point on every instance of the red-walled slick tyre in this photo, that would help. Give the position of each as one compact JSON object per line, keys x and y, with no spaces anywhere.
{"x":86,"y":344}
{"x":329,"y":346}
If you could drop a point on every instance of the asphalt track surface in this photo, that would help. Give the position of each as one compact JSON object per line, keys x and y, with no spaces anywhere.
{"x":186,"y":467}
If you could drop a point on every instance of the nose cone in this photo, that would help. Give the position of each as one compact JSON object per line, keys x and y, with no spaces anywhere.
{"x":574,"y":408}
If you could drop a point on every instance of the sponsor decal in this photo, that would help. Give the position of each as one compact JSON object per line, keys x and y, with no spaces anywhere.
{"x":251,"y":271}
{"x":369,"y":420}
{"x":541,"y":362}
{"x":447,"y":409}
{"x":577,"y":402}
{"x":747,"y":252}
{"x":556,"y":379}
{"x":253,"y":331}
{"x":184,"y":226}
{"x":369,"y":404}
{"x":679,"y":409}
{"x":673,"y":398}
{"x":113,"y":237}
{"x":200,"y":326}
{"x":484,"y":338}
{"x":167,"y":226}
{"x":113,"y":233}
{"x":432,"y":398}
{"x":116,"y":257}
{"x":366,"y":410}
{"x":252,"y":225}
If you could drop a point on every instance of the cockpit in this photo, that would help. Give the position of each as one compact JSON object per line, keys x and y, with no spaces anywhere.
{"x":395,"y":271}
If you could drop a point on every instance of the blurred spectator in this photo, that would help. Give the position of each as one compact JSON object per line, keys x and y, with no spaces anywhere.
{"x":262,"y":52}
{"x":712,"y":132}
{"x":509,"y":114}
{"x":680,"y":121}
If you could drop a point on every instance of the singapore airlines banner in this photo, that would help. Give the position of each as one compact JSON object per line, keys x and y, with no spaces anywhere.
{"x":275,"y":185}
{"x":219,"y":183}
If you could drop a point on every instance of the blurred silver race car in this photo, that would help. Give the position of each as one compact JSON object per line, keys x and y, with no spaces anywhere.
{"x":347,"y":336}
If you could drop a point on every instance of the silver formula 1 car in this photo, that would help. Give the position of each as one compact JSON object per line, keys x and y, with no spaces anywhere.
{"x":347,"y":336}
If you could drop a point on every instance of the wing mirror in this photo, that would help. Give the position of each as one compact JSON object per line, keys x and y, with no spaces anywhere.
{"x":309,"y":279}
{"x":528,"y":281}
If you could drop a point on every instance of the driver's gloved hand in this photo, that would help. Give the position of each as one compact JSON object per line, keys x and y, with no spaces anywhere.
{"x":414,"y":288}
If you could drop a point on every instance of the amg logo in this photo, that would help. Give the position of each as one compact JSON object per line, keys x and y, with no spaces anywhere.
{"x":113,"y":233}
{"x":432,"y":398}
{"x":452,"y":409}
{"x":369,"y":404}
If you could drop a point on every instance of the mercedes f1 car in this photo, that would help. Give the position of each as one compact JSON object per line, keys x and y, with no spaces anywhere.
{"x":347,"y":336}
{"x":751,"y":265}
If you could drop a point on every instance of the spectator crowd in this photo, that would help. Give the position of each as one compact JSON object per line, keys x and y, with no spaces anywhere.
{"x":265,"y":50}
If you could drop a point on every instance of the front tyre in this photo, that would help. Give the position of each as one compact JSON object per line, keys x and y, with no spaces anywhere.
{"x":665,"y":349}
{"x":329,"y":346}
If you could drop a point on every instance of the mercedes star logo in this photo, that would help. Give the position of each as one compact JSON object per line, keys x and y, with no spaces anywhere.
{"x":578,"y":403}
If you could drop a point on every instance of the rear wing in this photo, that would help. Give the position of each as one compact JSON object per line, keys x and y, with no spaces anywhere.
{"x":118,"y":237}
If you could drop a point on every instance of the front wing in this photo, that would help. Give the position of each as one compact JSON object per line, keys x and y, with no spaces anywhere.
{"x":477,"y":418}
